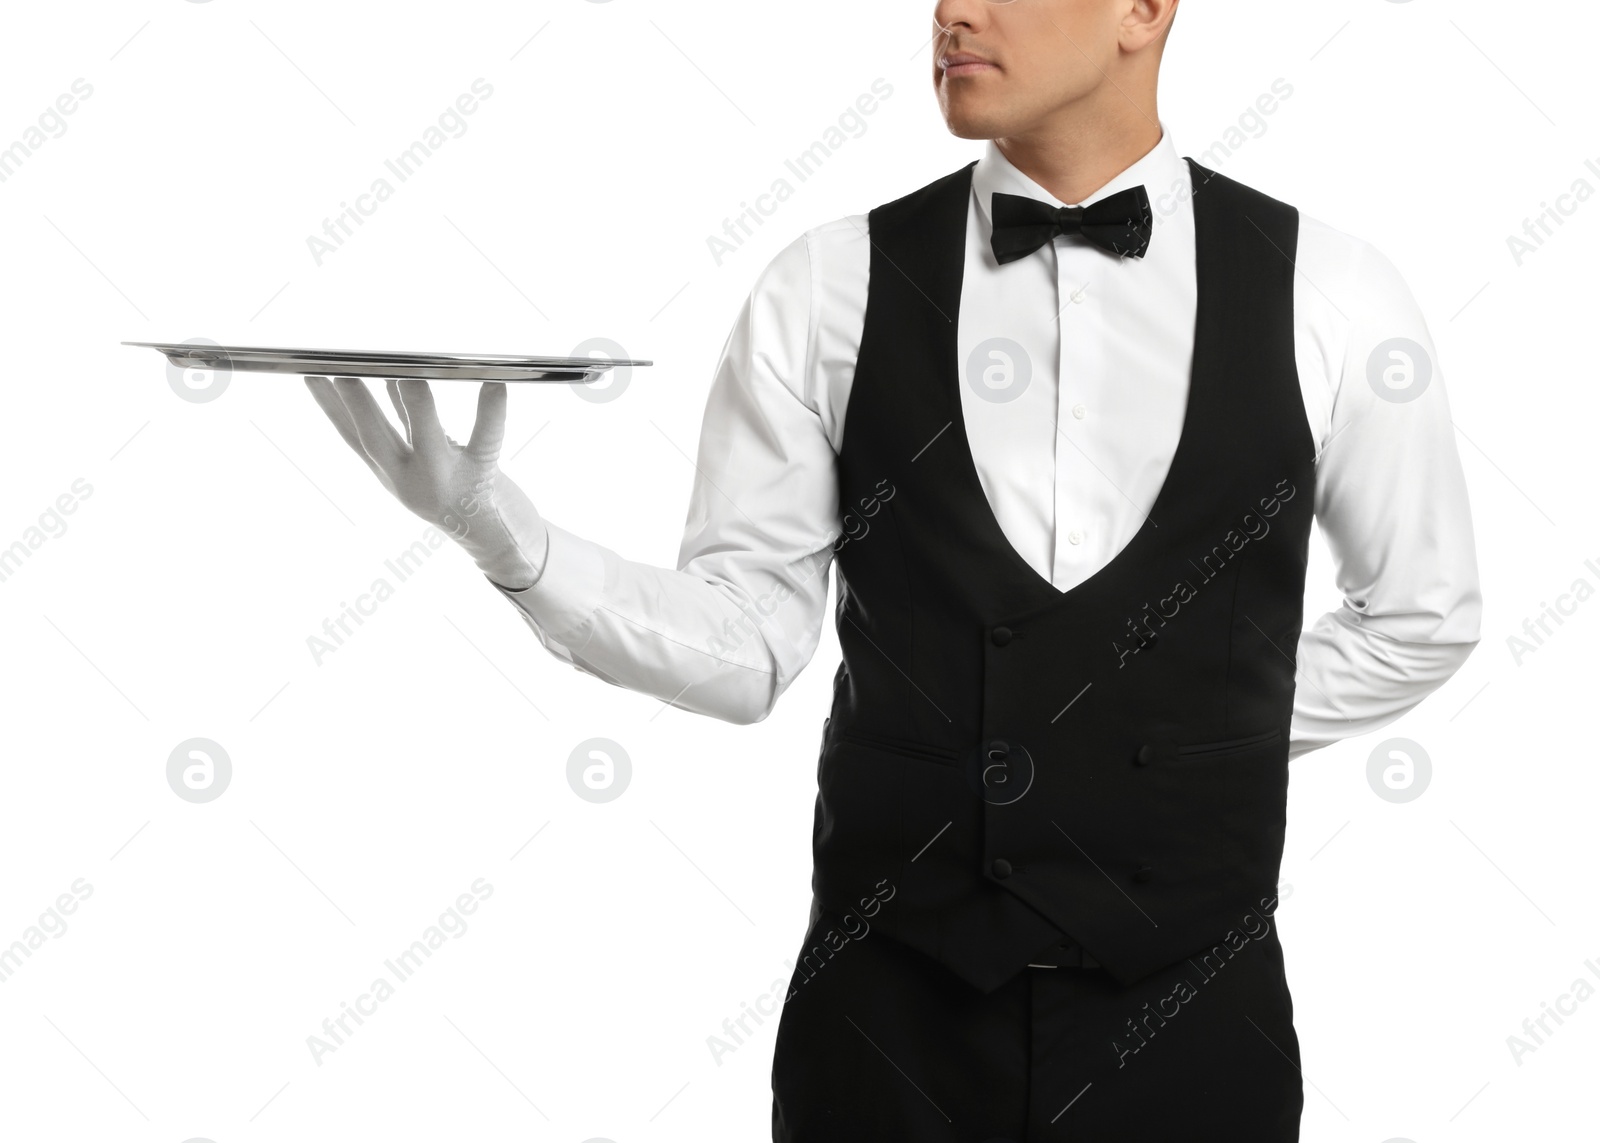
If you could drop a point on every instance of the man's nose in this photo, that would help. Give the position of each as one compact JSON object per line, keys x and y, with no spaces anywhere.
{"x":960,"y":15}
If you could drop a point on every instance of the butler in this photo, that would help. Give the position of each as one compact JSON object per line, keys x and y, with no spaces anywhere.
{"x":1066,"y":451}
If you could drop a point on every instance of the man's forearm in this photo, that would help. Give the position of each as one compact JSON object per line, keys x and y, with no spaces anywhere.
{"x":709,"y":641}
{"x":1352,"y":678}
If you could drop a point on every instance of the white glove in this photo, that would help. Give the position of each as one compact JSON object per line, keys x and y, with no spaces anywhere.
{"x":461,"y":490}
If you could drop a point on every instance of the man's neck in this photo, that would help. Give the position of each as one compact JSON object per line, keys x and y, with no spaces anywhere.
{"x":1073,"y":160}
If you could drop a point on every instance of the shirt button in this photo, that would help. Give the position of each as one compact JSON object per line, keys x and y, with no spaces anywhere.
{"x":1080,"y":412}
{"x":1000,"y":636}
{"x":1146,"y":755}
{"x":1074,"y":537}
{"x":1001,"y":868}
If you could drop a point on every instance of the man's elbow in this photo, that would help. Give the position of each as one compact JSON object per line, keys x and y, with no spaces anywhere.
{"x":741,"y":706}
{"x":1458,"y":653}
{"x":1443,"y":660}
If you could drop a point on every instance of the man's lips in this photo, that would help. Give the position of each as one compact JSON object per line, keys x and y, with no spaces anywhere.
{"x":964,"y":63}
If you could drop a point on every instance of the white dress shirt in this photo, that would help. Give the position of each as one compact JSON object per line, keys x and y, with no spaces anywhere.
{"x":1071,"y":463}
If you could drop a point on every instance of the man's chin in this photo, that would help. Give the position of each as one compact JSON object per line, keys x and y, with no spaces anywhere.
{"x":968,"y":115}
{"x":973,"y":126}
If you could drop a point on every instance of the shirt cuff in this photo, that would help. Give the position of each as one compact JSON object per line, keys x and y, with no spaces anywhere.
{"x":569,"y":591}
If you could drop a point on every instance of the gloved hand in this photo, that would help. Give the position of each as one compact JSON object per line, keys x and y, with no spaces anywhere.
{"x":461,"y":490}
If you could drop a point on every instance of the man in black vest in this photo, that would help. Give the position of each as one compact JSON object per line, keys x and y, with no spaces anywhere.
{"x":1052,"y":784}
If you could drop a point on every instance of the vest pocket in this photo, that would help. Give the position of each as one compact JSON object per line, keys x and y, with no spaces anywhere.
{"x":1230,"y":745}
{"x":1211,"y":814}
{"x":923,"y":750}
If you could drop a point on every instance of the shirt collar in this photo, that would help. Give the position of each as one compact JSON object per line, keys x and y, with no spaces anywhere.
{"x":1161,"y":167}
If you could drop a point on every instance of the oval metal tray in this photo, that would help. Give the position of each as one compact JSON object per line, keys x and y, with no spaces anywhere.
{"x":385,"y":364}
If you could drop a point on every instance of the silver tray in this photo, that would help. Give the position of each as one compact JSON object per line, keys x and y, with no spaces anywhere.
{"x":384,"y":364}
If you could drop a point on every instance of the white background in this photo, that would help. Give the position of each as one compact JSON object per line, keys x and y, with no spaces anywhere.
{"x":371,"y":790}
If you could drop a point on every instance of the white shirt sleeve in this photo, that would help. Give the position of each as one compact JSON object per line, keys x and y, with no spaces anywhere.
{"x":727,"y":632}
{"x":1391,"y":500}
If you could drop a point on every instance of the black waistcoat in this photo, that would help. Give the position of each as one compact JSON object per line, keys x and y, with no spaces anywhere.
{"x":1005,"y":764}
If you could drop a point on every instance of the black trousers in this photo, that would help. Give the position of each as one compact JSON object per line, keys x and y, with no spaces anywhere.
{"x":880,"y":1043}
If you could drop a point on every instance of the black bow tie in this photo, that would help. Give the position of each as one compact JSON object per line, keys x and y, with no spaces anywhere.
{"x":1119,"y":223}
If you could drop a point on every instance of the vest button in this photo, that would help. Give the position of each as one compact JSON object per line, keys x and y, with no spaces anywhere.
{"x":1143,"y":873}
{"x":998,"y":750}
{"x":1001,"y":868}
{"x":1000,"y":636}
{"x":1147,"y":754}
